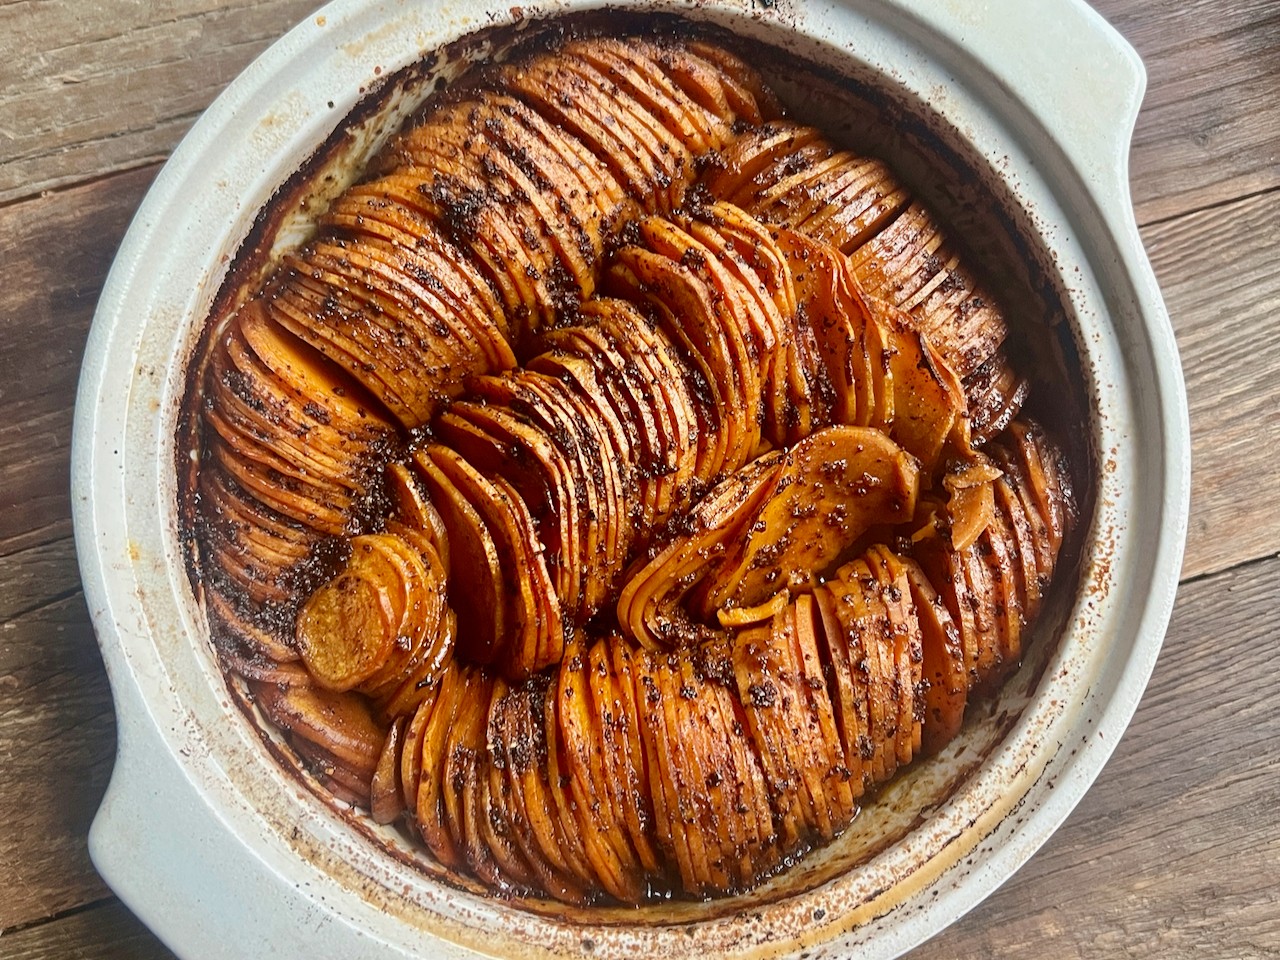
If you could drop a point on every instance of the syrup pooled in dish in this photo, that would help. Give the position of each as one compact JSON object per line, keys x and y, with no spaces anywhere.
{"x":622,"y":482}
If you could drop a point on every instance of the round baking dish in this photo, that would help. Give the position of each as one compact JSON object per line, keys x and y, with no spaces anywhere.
{"x":225,"y":854}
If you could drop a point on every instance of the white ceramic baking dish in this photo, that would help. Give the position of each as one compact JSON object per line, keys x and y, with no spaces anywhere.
{"x":224,"y":853}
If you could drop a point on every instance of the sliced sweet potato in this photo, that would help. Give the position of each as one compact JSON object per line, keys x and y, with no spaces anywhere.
{"x":943,"y":665}
{"x":835,"y":484}
{"x":349,"y":627}
{"x":648,"y":607}
{"x":474,"y":565}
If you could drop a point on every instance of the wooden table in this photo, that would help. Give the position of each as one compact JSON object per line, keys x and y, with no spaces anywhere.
{"x":1175,"y":852}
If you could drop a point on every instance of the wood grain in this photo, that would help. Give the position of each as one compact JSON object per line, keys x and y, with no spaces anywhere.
{"x":98,"y":86}
{"x":1208,"y":129}
{"x":1173,"y":852}
{"x":1222,"y":288}
{"x":56,"y":252}
{"x":103,"y":931}
{"x":57,"y":741}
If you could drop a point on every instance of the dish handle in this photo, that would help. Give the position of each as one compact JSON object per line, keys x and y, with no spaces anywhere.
{"x":1078,"y":80}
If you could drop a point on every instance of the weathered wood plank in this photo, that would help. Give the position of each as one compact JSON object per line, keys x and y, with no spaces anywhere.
{"x":106,"y":931}
{"x":1172,"y":853}
{"x":1217,"y":270}
{"x":56,"y":252}
{"x":1209,"y":130}
{"x":57,"y":742}
{"x":32,"y":578}
{"x":97,"y":87}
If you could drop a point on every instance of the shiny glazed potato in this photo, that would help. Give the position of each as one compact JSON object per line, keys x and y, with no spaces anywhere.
{"x":621,"y":482}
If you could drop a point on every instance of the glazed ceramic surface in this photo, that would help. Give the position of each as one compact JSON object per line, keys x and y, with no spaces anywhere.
{"x":225,"y":852}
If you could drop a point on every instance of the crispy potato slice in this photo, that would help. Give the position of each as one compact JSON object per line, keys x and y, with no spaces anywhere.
{"x":945,"y":569}
{"x":706,"y":779}
{"x":689,"y":317}
{"x":330,"y":390}
{"x":742,"y":88}
{"x":868,"y":630}
{"x":413,"y":507}
{"x":743,"y":167}
{"x":499,"y":442}
{"x":374,"y":210}
{"x":574,"y":104}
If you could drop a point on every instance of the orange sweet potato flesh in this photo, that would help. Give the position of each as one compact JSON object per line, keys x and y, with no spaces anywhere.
{"x":834,"y":486}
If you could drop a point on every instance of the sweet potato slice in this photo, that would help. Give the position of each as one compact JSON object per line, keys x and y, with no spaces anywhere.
{"x":634,"y":779}
{"x":342,"y":726}
{"x":661,"y":383}
{"x":971,"y":500}
{"x":386,"y":793}
{"x":555,"y":828}
{"x":839,"y":322}
{"x":648,"y":606}
{"x":349,"y":627}
{"x":654,"y":739}
{"x":908,"y":647}
{"x":498,"y":441}
{"x":534,"y":634}
{"x":823,"y":737}
{"x":767,"y":687}
{"x":609,"y":749}
{"x":474,"y":565}
{"x":846,"y":683}
{"x":996,"y":392}
{"x":1021,"y":547}
{"x":942,"y":666}
{"x":574,"y":104}
{"x":605,"y":836}
{"x":835,"y":484}
{"x":687,"y":315}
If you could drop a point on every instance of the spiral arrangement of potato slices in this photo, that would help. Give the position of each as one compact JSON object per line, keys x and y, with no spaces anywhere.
{"x":622,"y":482}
